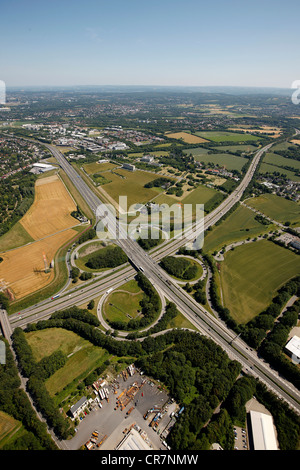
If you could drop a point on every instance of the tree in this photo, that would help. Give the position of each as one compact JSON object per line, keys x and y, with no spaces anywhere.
{"x":74,"y":273}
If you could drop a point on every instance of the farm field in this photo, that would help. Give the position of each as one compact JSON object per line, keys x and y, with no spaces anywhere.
{"x":276,"y":207}
{"x":83,"y":356}
{"x":8,"y":428}
{"x":200,"y":195}
{"x":230,"y":162}
{"x":235,"y":148}
{"x":130,"y":184}
{"x":45,"y":228}
{"x":266,"y":168}
{"x":96,"y":167}
{"x":272,"y":131}
{"x":282,"y":146}
{"x":22,"y":269}
{"x":186,"y":137}
{"x":251,"y":274}
{"x":278,"y":160}
{"x":124,"y":303}
{"x":196,"y":151}
{"x":223,"y":136}
{"x":158,"y":153}
{"x":238,"y":226}
{"x":51,"y":209}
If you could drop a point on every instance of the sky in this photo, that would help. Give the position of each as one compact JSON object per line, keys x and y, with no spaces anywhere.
{"x":142,"y":42}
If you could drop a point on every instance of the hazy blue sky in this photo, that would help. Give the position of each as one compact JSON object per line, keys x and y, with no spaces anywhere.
{"x":138,"y":42}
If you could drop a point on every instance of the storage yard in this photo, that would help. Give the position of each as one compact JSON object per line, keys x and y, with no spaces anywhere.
{"x":129,"y":412}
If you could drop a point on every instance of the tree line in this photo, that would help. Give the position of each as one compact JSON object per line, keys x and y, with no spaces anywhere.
{"x":37,"y":373}
{"x":14,"y":402}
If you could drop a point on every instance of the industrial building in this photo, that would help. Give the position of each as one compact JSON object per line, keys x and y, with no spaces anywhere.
{"x":293,"y":348}
{"x":41,"y":167}
{"x":135,"y":440}
{"x":262,"y":431}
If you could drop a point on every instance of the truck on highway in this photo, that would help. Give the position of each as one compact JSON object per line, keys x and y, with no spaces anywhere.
{"x":109,"y":290}
{"x":55,"y":296}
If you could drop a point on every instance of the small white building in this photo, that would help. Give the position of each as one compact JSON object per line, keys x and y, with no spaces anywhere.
{"x":147,"y":159}
{"x":76,"y":409}
{"x":128,"y":166}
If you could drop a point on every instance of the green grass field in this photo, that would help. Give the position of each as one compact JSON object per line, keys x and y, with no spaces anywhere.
{"x":278,"y":160}
{"x":278,"y":208}
{"x":223,"y":136}
{"x":230,"y":162}
{"x":196,"y":151}
{"x":251,"y":274}
{"x":124,"y":303}
{"x":45,"y":342}
{"x":96,"y":167}
{"x":83,"y":356}
{"x":234,"y":148}
{"x":283,"y":146}
{"x":9,"y":429}
{"x":238,"y":226}
{"x":158,"y":153}
{"x":82,"y":362}
{"x":268,"y":168}
{"x":200,"y":195}
{"x":15,"y":237}
{"x":130,"y":184}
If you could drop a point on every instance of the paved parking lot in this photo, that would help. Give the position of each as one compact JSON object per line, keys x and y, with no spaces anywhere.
{"x":241,"y":441}
{"x":111,"y":423}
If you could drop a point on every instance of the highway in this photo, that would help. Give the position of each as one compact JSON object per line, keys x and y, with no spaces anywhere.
{"x":207,"y":324}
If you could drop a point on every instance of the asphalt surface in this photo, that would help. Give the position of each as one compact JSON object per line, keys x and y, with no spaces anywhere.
{"x":111,"y":423}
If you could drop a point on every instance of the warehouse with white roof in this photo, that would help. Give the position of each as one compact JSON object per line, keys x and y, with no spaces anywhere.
{"x":293,"y":348}
{"x":134,"y":441}
{"x":263,"y":433}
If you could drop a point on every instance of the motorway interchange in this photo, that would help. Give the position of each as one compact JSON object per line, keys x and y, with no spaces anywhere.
{"x":148,"y":263}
